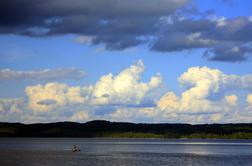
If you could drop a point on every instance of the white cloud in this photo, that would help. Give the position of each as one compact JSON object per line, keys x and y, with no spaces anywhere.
{"x":169,"y":100}
{"x":11,"y":105}
{"x":210,"y":96}
{"x":231,"y":99}
{"x":249,"y":99}
{"x":124,"y":88}
{"x":80,"y":116}
{"x":147,"y":114}
{"x":122,"y":114}
{"x":201,"y":84}
{"x":216,"y":118}
{"x":46,"y":74}
{"x":60,"y":94}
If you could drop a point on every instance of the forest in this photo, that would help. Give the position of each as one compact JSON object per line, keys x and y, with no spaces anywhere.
{"x":106,"y":129}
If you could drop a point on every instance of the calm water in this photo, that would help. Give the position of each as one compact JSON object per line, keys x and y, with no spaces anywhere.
{"x":124,"y":152}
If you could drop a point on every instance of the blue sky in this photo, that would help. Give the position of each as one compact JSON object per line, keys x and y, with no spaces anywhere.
{"x":85,"y":47}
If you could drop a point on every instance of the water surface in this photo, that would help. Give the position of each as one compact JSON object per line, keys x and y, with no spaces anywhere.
{"x":124,"y":152}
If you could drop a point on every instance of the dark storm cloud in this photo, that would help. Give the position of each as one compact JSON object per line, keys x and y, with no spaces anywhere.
{"x":233,"y":53}
{"x":179,"y":42}
{"x":28,"y":12}
{"x":224,"y":39}
{"x":110,"y":21}
{"x":165,"y":25}
{"x":117,"y":42}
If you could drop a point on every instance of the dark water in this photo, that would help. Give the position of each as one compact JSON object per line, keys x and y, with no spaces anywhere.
{"x":124,"y":152}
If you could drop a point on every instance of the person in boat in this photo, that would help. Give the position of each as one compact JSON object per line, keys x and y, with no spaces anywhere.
{"x":75,"y":149}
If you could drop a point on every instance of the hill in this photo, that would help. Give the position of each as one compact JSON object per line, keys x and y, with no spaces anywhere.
{"x":100,"y":128}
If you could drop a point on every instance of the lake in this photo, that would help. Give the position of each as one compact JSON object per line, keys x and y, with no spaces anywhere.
{"x":124,"y":152}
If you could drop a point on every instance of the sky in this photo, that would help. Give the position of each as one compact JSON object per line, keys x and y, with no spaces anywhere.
{"x":162,"y":61}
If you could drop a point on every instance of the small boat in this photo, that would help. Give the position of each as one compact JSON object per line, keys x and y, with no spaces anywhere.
{"x":75,"y":149}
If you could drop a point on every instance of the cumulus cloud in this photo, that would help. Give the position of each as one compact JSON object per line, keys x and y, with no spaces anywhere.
{"x":44,"y":98}
{"x":11,"y":105}
{"x":249,"y":99}
{"x":216,"y":118}
{"x":46,"y":74}
{"x":231,"y":99}
{"x":209,"y":96}
{"x":80,"y":116}
{"x":124,"y":88}
{"x":169,"y":100}
{"x":55,"y":101}
{"x":201,"y":83}
{"x":148,"y":114}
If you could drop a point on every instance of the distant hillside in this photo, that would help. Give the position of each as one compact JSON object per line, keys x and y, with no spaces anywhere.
{"x":101,"y":128}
